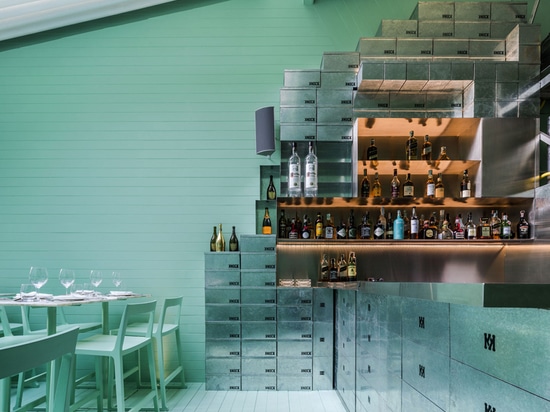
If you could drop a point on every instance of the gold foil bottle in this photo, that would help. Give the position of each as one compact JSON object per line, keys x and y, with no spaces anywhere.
{"x":220,"y":241}
{"x":271,"y":191}
{"x":266,"y":225}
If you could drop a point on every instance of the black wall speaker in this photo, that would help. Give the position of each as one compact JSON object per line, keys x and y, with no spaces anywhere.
{"x":265,"y":131}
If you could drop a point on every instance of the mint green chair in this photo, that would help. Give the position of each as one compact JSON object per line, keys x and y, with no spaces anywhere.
{"x":115,"y":348}
{"x":24,"y":352}
{"x":167,"y":324}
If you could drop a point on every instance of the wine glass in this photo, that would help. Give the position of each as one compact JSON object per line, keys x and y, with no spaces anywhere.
{"x":38,"y":276}
{"x":117,"y":280}
{"x":96,"y":278}
{"x":66,"y":277}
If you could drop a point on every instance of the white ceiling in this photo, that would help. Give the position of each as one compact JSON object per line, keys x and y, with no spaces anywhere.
{"x":23,"y":17}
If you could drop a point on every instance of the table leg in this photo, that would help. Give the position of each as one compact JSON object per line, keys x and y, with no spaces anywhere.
{"x":5,"y":394}
{"x":51,"y":325}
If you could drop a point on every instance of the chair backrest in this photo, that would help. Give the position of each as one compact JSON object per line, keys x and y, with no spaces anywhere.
{"x":172,"y":308}
{"x":5,"y":323}
{"x":131,"y":311}
{"x":32,"y":352}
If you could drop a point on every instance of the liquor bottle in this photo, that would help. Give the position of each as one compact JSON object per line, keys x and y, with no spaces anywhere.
{"x":408,"y":187}
{"x":406,"y":226}
{"x":460,"y":230}
{"x":443,"y":154}
{"x":427,"y":149}
{"x":213,"y":240}
{"x":342,"y":269}
{"x":333,"y":271}
{"x":445,"y":232}
{"x":484,"y":229}
{"x":465,"y":185}
{"x":282,"y":225}
{"x":310,"y":183}
{"x":365,"y":185}
{"x":495,"y":223}
{"x":439,"y":188}
{"x":306,"y":228}
{"x":319,"y":227}
{"x":430,"y":185}
{"x":352,"y":229}
{"x":233,"y":241}
{"x":398,"y":227}
{"x":266,"y":225}
{"x":376,"y":187}
{"x":505,"y":227}
{"x":366,"y":227}
{"x":415,"y":224}
{"x":372,"y":154}
{"x":298,"y":225}
{"x":429,"y":231}
{"x":389,"y":227}
{"x":294,"y":174}
{"x":324,"y":274}
{"x":220,"y":240}
{"x":395,"y":185}
{"x":341,"y":230}
{"x":271,"y":191}
{"x":329,"y":228}
{"x":411,"y":148}
{"x":380,"y":228}
{"x":293,"y":232}
{"x":470,"y":232}
{"x":352,"y":267}
{"x":523,"y":227}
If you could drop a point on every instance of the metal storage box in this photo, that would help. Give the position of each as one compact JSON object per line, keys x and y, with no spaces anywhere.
{"x":258,"y":243}
{"x":298,"y":97}
{"x":451,"y":48}
{"x":294,"y":296}
{"x":488,"y":49}
{"x":294,"y":313}
{"x":223,"y":366}
{"x":334,"y":97}
{"x":331,"y":133}
{"x":472,"y":29}
{"x":223,"y":313}
{"x":259,"y":383}
{"x":258,"y":296}
{"x":335,"y":80}
{"x":223,"y":330}
{"x":302,"y":78}
{"x":501,"y":29}
{"x":293,"y":383}
{"x":507,"y":11}
{"x":296,"y":132}
{"x":335,"y":115}
{"x":323,"y":305}
{"x":294,"y":331}
{"x":413,"y":401}
{"x":258,"y":313}
{"x":374,"y":101}
{"x":298,"y":367}
{"x":472,"y":11}
{"x":398,"y":28}
{"x":322,"y":373}
{"x":323,"y":339}
{"x":259,"y":330}
{"x":257,"y":278}
{"x":223,"y":383}
{"x":433,"y":11}
{"x":444,"y":101}
{"x":294,"y":349}
{"x":298,"y":114}
{"x":434,"y":28}
{"x":222,"y":261}
{"x":259,"y":366}
{"x":371,"y":47}
{"x":415,"y":48}
{"x":409,"y":101}
{"x":340,"y":61}
{"x":222,"y":278}
{"x":222,"y":296}
{"x":259,"y":348}
{"x":223,"y":349}
{"x":259,"y":260}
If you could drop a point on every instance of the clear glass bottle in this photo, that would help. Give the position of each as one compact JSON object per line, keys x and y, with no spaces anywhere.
{"x":408,"y":187}
{"x":329,"y":228}
{"x":411,"y":148}
{"x":380,"y":228}
{"x":310,"y":182}
{"x":324,"y":268}
{"x":505,"y":227}
{"x":365,"y":184}
{"x":523,"y":227}
{"x":220,"y":240}
{"x":395,"y":185}
{"x":372,"y":154}
{"x":415,"y":224}
{"x":465,"y":186}
{"x":271,"y":191}
{"x":427,"y":149}
{"x":352,"y":267}
{"x":266,"y":224}
{"x":233,"y":241}
{"x":294,"y":174}
{"x":430,"y":185}
{"x":470,"y":232}
{"x":398,"y":227}
{"x":213,"y":240}
{"x":495,"y":223}
{"x":439,"y":192}
{"x":282,"y":225}
{"x":376,"y":186}
{"x":342,"y":269}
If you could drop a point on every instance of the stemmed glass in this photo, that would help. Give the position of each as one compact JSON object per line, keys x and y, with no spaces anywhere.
{"x":66,"y":277}
{"x":96,"y":278}
{"x":117,"y":280}
{"x":38,"y":276}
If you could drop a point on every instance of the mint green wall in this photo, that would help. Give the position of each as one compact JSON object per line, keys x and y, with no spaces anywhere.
{"x":123,"y":141}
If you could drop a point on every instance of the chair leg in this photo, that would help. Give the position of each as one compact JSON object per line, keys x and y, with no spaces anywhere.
{"x":119,"y":383}
{"x":162,"y":383}
{"x":180,"y":358}
{"x":153,"y":376}
{"x":99,"y":382}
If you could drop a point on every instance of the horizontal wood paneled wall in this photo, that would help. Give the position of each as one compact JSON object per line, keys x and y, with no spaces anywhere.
{"x":123,"y":141}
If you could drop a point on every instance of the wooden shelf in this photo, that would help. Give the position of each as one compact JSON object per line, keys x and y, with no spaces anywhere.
{"x":415,"y":167}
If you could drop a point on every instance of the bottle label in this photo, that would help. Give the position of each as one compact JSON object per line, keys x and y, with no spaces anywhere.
{"x":305,"y":234}
{"x":430,"y":189}
{"x":472,"y":232}
{"x":439,"y":192}
{"x":365,"y":232}
{"x":352,"y":232}
{"x":319,"y":230}
{"x":426,"y":150}
{"x":311,"y":176}
{"x":329,"y":232}
{"x":414,"y":226}
{"x":379,"y":232}
{"x":341,"y":233}
{"x":352,"y":272}
{"x":394,"y":191}
{"x":294,"y":176}
{"x":506,"y":231}
{"x":523,"y":232}
{"x":408,"y":191}
{"x":293,"y":234}
{"x":465,"y":193}
{"x":333,"y":274}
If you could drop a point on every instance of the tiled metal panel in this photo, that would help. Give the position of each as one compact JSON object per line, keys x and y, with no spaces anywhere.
{"x":261,"y":367}
{"x":436,"y":28}
{"x":223,"y":366}
{"x":294,"y":313}
{"x":258,"y":296}
{"x":335,"y":133}
{"x":302,"y":78}
{"x":472,"y":11}
{"x":303,"y":97}
{"x":398,"y":28}
{"x":222,"y":296}
{"x":298,"y":349}
{"x":259,"y":330}
{"x":298,"y":132}
{"x":259,"y":313}
{"x":341,"y":115}
{"x":414,"y":401}
{"x":258,"y":243}
{"x":298,"y":115}
{"x":322,"y":373}
{"x":223,"y":349}
{"x":260,"y":260}
{"x":222,"y":261}
{"x":323,"y":305}
{"x":509,"y":11}
{"x":222,"y":313}
{"x":294,"y":296}
{"x":259,"y":348}
{"x":295,"y":331}
{"x":222,"y":278}
{"x":340,"y":61}
{"x":472,"y":29}
{"x":258,"y":278}
{"x":223,"y":331}
{"x":323,"y":339}
{"x":434,"y":11}
{"x":219,"y":382}
{"x":259,"y":383}
{"x":338,"y":79}
{"x":334,"y":97}
{"x":294,"y":383}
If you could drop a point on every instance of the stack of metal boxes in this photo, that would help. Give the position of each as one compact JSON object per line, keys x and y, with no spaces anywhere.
{"x":259,"y":312}
{"x":323,"y":339}
{"x":452,"y":59}
{"x":223,"y":320}
{"x":345,"y":346}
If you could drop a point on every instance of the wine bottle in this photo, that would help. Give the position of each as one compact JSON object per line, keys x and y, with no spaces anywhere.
{"x":411,"y":149}
{"x":233,"y":241}
{"x":430,"y":185}
{"x":310,"y":183}
{"x":398,"y":227}
{"x":352,"y":267}
{"x":408,"y":187}
{"x":266,"y":224}
{"x":470,"y":232}
{"x":352,"y":229}
{"x":523,"y":227}
{"x":372,"y":154}
{"x":427,"y":149}
{"x":282,"y":225}
{"x":439,"y":188}
{"x":395,"y":185}
{"x":465,"y":185}
{"x":415,"y":224}
{"x":329,"y":228}
{"x":213,"y":240}
{"x":389,"y":227}
{"x":319,"y":227}
{"x":365,"y":185}
{"x":376,"y":187}
{"x":220,"y":240}
{"x":294,"y":174}
{"x":324,"y":274}
{"x":271,"y":191}
{"x":342,"y":269}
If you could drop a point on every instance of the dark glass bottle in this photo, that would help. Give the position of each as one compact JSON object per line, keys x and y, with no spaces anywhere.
{"x":271,"y":191}
{"x":427,"y":149}
{"x":395,"y":185}
{"x":366,"y":227}
{"x":333,"y":271}
{"x":306,"y":228}
{"x":389,"y":227}
{"x":352,"y":229}
{"x":324,"y":275}
{"x":372,"y":153}
{"x":408,"y":187}
{"x":342,"y":269}
{"x":411,"y":150}
{"x":365,"y":185}
{"x":523,"y":227}
{"x":282,"y":225}
{"x":233,"y":241}
{"x":213,"y":240}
